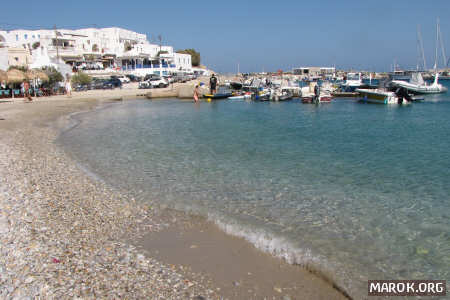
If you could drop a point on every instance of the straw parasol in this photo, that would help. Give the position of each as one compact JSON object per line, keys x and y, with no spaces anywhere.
{"x":3,"y":76}
{"x":36,"y":74}
{"x":15,"y":76}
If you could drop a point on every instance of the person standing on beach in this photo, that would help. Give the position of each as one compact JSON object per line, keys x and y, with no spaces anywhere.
{"x":26,"y":91}
{"x":68,"y":87}
{"x":212,"y":84}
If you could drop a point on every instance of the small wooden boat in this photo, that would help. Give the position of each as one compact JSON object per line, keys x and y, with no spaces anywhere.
{"x":217,"y":96}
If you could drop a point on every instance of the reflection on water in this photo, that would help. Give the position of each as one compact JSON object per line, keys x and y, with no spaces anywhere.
{"x":356,"y":191}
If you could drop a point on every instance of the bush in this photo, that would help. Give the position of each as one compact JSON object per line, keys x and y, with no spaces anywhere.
{"x":53,"y":76}
{"x":36,"y":45}
{"x":81,"y":78}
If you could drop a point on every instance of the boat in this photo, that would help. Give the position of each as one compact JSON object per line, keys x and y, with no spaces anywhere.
{"x":418,"y":86}
{"x":240,"y":97}
{"x":217,"y":96}
{"x":352,"y":82}
{"x":381,"y":96}
{"x":307,"y":99}
{"x":261,"y":96}
{"x":280,"y":94}
{"x":325,"y":97}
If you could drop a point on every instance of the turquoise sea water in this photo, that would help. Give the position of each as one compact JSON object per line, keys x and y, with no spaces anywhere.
{"x":354,"y":191}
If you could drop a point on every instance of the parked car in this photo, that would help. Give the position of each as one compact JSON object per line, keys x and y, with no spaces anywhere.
{"x":149,"y":76}
{"x":112,"y":83}
{"x":122,"y":78}
{"x":169,"y":78}
{"x":158,"y":82}
{"x":134,"y":78}
{"x":145,"y":85}
{"x":96,"y":84}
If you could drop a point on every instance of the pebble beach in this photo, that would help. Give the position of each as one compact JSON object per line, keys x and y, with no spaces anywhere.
{"x":61,"y":232}
{"x":65,"y":234}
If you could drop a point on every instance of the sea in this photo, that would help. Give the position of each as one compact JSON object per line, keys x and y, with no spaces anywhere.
{"x":352,"y":191}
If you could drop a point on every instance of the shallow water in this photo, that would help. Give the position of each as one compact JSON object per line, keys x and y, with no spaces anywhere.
{"x":354,"y":191}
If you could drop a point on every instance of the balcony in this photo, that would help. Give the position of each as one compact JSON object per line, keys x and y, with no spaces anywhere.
{"x":64,"y":51}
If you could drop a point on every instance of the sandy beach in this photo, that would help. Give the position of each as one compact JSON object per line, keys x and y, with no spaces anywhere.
{"x":64,"y":234}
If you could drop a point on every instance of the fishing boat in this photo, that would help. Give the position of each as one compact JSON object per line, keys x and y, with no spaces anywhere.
{"x":381,"y":96}
{"x":217,"y":96}
{"x":418,"y":86}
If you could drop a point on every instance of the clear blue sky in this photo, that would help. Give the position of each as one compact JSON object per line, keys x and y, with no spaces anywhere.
{"x":262,"y":34}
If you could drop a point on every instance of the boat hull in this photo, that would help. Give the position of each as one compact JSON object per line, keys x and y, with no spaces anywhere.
{"x":377,"y":96}
{"x":421,"y":89}
{"x":217,"y":96}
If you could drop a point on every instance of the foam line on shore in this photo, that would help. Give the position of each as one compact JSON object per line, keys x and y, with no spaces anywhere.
{"x":281,"y":248}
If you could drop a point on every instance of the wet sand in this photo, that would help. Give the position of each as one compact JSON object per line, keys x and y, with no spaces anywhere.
{"x":234,"y":266}
{"x":212,"y":264}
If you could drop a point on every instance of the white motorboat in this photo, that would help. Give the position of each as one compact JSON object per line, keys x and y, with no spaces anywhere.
{"x":418,"y":86}
{"x":240,"y":97}
{"x":353,"y":81}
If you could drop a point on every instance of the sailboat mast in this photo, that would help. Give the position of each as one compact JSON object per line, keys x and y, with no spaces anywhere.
{"x":437,"y":39}
{"x":420,"y":46}
{"x":442,"y":45}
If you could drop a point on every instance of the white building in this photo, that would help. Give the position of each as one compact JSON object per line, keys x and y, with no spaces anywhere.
{"x":314,"y":71}
{"x":94,"y":49}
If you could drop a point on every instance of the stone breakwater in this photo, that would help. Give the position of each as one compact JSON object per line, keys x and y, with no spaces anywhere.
{"x":62,"y":233}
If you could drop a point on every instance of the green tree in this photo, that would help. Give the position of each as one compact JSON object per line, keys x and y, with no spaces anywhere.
{"x":81,"y":78}
{"x":36,"y":45}
{"x":128,"y":46}
{"x":53,"y":76}
{"x":194,"y":55}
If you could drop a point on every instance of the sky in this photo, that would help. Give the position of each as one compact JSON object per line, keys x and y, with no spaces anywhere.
{"x":261,"y":35}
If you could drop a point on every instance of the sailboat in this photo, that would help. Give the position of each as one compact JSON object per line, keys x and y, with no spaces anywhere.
{"x":417,"y":85}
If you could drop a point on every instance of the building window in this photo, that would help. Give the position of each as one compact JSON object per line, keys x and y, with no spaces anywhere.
{"x":17,"y":37}
{"x":25,"y":36}
{"x":39,"y":36}
{"x":34,"y":36}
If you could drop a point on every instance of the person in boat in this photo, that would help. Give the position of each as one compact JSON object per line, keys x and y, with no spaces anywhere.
{"x":402,"y":94}
{"x":316,"y":91}
{"x":213,"y":84}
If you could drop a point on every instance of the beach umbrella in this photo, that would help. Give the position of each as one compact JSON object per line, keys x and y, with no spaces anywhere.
{"x":3,"y":76}
{"x":15,"y":76}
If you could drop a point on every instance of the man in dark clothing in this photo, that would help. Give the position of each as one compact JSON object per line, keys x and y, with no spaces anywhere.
{"x":316,"y":92}
{"x":212,"y":84}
